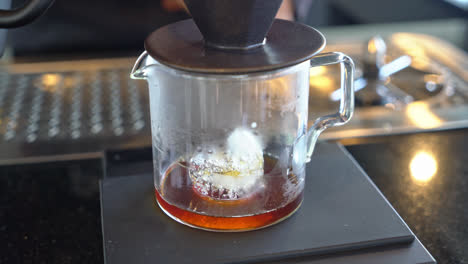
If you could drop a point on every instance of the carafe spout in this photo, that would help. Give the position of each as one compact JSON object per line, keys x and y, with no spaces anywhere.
{"x":140,"y":69}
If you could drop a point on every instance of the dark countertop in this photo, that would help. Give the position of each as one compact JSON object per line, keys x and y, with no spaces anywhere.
{"x":50,"y":213}
{"x":435,"y":208}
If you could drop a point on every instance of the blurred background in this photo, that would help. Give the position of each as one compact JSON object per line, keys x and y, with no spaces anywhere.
{"x":119,"y":27}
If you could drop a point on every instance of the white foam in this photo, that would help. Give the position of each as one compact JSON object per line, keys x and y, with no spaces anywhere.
{"x":243,"y":143}
{"x":232,"y":171}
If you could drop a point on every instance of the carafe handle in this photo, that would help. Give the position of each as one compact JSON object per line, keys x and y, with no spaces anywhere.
{"x":346,"y":102}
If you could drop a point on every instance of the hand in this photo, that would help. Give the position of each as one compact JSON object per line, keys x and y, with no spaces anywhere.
{"x":286,"y":10}
{"x":173,"y":5}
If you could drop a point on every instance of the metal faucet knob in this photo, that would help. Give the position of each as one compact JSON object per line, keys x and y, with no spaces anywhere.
{"x":375,"y":60}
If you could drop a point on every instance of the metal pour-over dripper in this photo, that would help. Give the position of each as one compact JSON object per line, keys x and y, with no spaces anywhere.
{"x":233,"y":37}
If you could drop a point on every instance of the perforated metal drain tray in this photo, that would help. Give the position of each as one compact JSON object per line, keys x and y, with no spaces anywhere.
{"x":64,"y":110}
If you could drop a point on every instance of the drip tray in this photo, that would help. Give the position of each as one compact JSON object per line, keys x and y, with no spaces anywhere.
{"x":342,"y":211}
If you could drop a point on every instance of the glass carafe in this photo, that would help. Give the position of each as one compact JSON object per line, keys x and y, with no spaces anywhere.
{"x":230,"y":151}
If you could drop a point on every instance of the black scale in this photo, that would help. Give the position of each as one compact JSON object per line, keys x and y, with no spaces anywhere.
{"x":344,"y":218}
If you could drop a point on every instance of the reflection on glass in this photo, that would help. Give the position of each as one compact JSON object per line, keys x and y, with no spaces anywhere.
{"x":277,"y":87}
{"x":420,"y":114}
{"x":358,"y":85}
{"x":323,"y":83}
{"x":423,"y":167}
{"x":319,"y":70}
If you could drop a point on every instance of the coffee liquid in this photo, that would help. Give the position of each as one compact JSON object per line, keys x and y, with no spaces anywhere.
{"x":277,"y":198}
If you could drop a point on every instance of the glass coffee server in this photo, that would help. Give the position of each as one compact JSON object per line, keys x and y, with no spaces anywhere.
{"x":229,"y":112}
